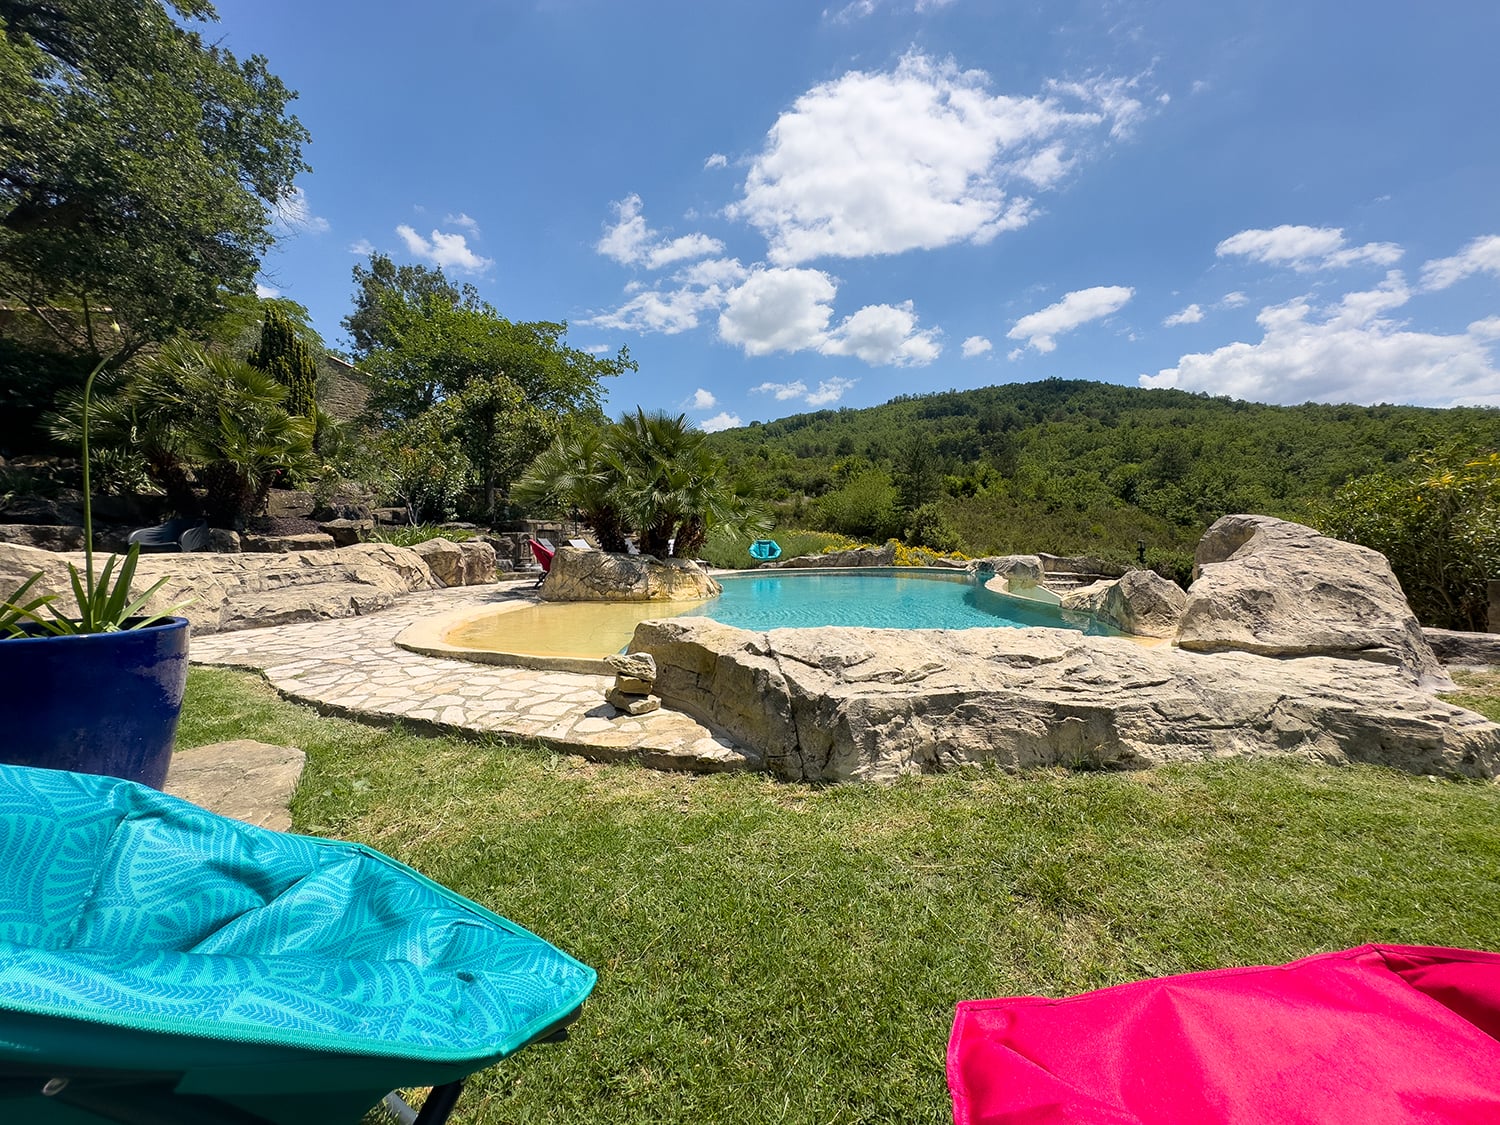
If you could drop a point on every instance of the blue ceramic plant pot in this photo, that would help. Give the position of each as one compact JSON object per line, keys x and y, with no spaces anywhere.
{"x":104,"y":703}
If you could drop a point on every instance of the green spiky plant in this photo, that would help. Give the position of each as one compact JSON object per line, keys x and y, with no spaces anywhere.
{"x":103,"y":606}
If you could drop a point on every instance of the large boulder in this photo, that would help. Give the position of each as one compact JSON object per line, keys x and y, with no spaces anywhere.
{"x":855,"y":556}
{"x":580,"y":575}
{"x":1015,"y":572}
{"x":858,"y":704}
{"x":1277,"y":588}
{"x":1140,"y":602}
{"x":43,"y":536}
{"x":470,"y":563}
{"x":225,"y":592}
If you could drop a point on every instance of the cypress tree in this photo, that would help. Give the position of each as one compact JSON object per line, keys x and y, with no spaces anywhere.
{"x":286,"y":358}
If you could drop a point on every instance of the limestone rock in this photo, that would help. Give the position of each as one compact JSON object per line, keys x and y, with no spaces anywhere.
{"x":1277,"y":588}
{"x":248,"y":780}
{"x":1020,"y":572}
{"x":347,"y":532}
{"x":640,"y":665}
{"x":632,"y":704}
{"x":839,"y":704}
{"x":248,"y":590}
{"x":579,"y":575}
{"x":43,"y":536}
{"x":444,"y":558}
{"x":629,"y":685}
{"x":1473,"y":649}
{"x":856,"y":556}
{"x":285,"y":544}
{"x":478,"y":562}
{"x":1141,"y":602}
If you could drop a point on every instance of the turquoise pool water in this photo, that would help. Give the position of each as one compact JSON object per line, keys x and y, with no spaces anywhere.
{"x":885,"y":599}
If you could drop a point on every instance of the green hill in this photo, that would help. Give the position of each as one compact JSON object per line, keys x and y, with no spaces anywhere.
{"x":1077,"y":466}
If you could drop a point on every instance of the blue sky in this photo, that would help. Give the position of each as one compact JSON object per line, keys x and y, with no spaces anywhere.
{"x":782,"y":207}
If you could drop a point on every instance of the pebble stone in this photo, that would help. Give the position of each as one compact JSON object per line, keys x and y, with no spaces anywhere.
{"x":352,"y":666}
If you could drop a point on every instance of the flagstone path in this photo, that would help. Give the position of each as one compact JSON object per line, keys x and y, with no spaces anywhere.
{"x":352,"y":667}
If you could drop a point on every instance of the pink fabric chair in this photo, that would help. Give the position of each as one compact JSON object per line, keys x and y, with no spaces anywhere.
{"x":543,"y":556}
{"x":1377,"y":1035}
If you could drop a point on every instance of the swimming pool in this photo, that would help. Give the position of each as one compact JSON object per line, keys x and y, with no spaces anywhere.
{"x":575,"y":636}
{"x":890,"y":598}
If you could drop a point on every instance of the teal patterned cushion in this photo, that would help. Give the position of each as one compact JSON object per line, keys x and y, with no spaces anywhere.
{"x":124,"y":907}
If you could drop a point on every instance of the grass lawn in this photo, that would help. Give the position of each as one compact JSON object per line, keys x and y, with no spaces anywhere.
{"x":771,"y":952}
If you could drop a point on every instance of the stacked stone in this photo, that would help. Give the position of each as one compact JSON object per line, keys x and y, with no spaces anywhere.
{"x":635,"y":680}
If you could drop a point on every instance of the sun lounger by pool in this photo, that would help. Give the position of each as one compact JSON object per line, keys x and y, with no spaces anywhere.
{"x":160,"y":964}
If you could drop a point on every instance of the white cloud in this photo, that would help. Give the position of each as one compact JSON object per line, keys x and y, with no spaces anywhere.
{"x":463,"y":220}
{"x":884,"y":336}
{"x":450,"y":251}
{"x":699,"y":288}
{"x":976,"y":345}
{"x":916,"y":158}
{"x":264,"y":291}
{"x":1350,"y":351}
{"x":363,"y":247}
{"x":1190,"y":315}
{"x":716,"y":160}
{"x":1233,"y":300}
{"x":1480,"y":256}
{"x":782,"y":391}
{"x":724,"y":421}
{"x":653,"y":310}
{"x":632,"y":243}
{"x":778,"y":310}
{"x":855,"y":10}
{"x":1040,"y":329}
{"x":291,"y":214}
{"x":704,"y":400}
{"x":1306,"y":248}
{"x":790,"y":310}
{"x":828,"y":391}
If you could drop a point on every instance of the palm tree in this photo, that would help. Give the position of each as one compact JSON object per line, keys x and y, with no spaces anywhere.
{"x":573,"y":474}
{"x":651,"y":472}
{"x":195,"y":415}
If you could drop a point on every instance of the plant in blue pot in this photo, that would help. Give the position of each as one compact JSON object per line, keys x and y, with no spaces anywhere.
{"x":98,"y":691}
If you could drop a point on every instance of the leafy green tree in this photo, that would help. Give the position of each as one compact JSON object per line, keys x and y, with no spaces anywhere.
{"x":285,"y":356}
{"x":138,"y":168}
{"x":866,"y":507}
{"x":1437,"y":521}
{"x":423,"y":466}
{"x":506,"y":385}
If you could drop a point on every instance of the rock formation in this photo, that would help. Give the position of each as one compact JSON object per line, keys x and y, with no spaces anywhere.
{"x":469,"y":563}
{"x":855,"y":556}
{"x":248,"y":590}
{"x":1140,"y":602}
{"x":853,"y":704}
{"x":580,"y":575}
{"x":1276,"y":588}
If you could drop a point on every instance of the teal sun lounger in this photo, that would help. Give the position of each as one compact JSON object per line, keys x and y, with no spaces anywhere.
{"x":162,"y":964}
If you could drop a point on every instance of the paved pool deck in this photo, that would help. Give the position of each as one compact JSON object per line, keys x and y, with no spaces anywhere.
{"x":352,"y":667}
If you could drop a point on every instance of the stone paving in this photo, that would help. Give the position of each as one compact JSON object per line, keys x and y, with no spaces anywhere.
{"x":352,"y":667}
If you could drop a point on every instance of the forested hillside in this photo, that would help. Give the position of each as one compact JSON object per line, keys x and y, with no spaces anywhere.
{"x":1070,"y":466}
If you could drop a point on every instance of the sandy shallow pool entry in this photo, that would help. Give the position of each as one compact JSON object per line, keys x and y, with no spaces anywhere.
{"x":565,"y":636}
